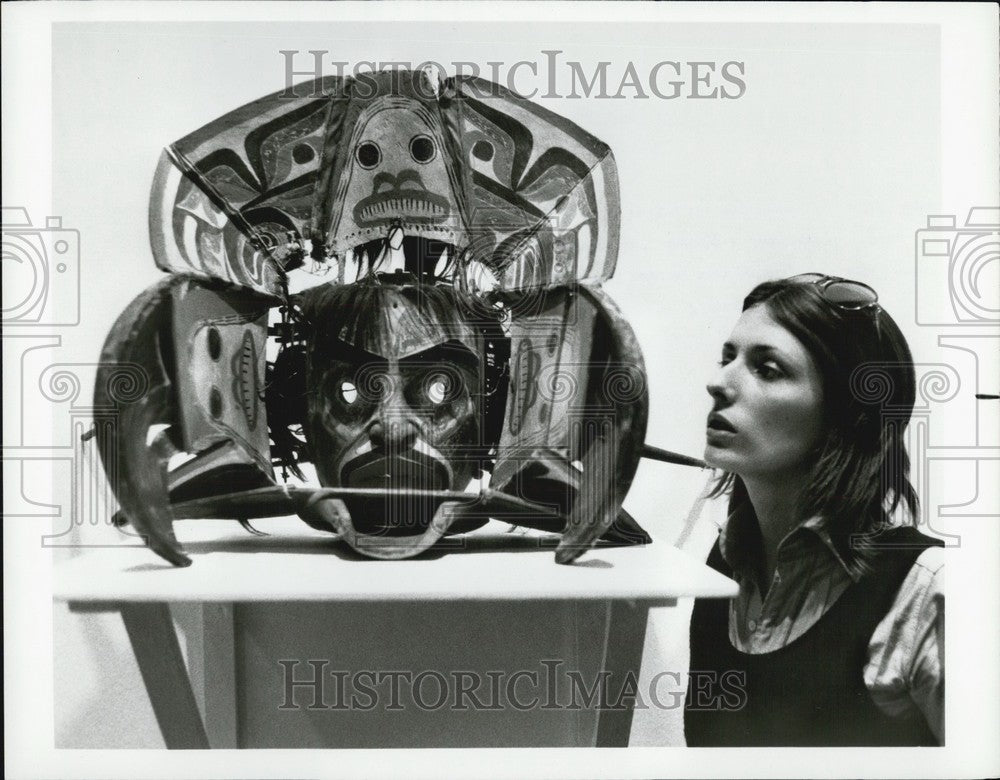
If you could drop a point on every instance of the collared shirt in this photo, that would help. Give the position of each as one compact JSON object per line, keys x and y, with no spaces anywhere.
{"x":905,"y":670}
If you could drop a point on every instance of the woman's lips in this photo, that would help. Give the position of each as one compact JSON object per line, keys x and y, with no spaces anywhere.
{"x":719,"y":438}
{"x":716,"y":422}
{"x":719,"y":431}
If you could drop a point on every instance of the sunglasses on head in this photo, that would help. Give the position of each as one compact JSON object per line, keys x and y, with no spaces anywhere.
{"x":843,"y":293}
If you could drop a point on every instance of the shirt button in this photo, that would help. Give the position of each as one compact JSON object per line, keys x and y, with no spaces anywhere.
{"x":752,"y":625}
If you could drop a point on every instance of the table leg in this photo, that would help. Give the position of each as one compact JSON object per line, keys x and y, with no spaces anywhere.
{"x":624,"y":640}
{"x":154,"y":641}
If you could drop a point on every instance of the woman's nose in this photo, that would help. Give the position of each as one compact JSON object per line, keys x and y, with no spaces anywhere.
{"x":720,"y":387}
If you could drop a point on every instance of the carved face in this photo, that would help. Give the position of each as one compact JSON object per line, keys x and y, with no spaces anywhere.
{"x":395,"y":401}
{"x":394,"y":166}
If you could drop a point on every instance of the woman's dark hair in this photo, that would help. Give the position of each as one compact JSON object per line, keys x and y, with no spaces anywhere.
{"x":860,"y":475}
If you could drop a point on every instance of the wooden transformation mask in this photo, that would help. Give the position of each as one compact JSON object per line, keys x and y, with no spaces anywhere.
{"x":491,"y":348}
{"x":395,"y":379}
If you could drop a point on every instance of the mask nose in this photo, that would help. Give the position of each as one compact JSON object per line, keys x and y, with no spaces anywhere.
{"x":392,"y":432}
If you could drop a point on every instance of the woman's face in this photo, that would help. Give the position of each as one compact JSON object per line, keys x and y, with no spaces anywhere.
{"x":767,"y":412}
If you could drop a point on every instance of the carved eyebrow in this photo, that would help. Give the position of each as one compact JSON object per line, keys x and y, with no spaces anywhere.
{"x":348,"y":353}
{"x":449,"y":352}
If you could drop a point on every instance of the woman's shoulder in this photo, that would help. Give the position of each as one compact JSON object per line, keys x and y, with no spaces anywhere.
{"x":905,"y":669}
{"x":914,"y":556}
{"x":925,"y":579}
{"x":929,"y":564}
{"x":903,"y":537}
{"x":919,"y":603}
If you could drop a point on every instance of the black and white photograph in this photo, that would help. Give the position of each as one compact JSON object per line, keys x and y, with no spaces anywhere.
{"x":501,"y":389}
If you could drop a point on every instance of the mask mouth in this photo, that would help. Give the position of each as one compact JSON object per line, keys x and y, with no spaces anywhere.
{"x":416,"y":206}
{"x":410,"y":470}
{"x":399,"y":511}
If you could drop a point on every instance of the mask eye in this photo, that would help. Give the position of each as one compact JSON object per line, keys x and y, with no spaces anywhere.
{"x":348,"y":392}
{"x":422,"y":148}
{"x":368,"y":154}
{"x":438,"y":389}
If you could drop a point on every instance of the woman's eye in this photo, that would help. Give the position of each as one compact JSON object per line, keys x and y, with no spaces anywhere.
{"x":769,"y":370}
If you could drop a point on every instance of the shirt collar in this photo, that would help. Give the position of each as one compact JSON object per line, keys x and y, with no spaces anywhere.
{"x":813,"y":525}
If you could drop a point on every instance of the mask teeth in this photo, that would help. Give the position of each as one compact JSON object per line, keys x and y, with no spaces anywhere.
{"x":443,"y":260}
{"x":368,"y":256}
{"x":425,"y":258}
{"x":395,"y":239}
{"x":393,"y":256}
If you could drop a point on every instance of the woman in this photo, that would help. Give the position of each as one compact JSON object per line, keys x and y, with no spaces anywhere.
{"x":835,"y":636}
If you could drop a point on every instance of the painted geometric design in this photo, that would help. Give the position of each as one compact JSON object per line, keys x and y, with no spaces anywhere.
{"x":503,"y":182}
{"x":379,"y":171}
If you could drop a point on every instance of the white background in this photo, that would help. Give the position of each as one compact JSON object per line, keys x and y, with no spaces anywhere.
{"x":856,"y":124}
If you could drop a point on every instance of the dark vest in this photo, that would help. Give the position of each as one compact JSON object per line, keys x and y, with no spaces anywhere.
{"x":810,"y":692}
